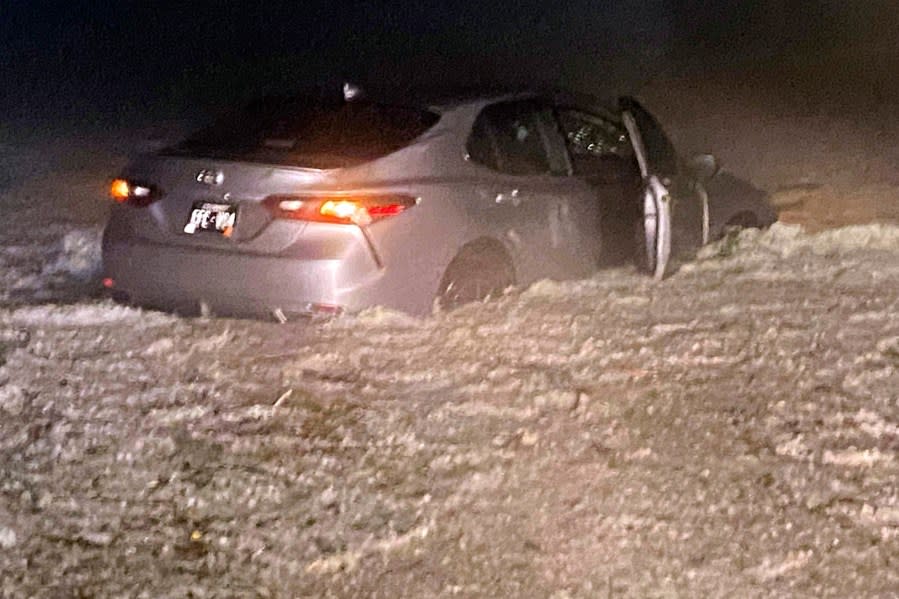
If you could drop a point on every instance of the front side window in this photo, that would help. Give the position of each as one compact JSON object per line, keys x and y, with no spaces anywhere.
{"x":587,"y":134}
{"x":515,"y":137}
{"x":596,"y":146}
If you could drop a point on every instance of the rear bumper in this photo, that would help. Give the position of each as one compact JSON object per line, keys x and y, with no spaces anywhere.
{"x":230,"y":283}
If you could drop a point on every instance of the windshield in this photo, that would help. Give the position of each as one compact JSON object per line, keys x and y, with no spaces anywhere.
{"x":308,"y":133}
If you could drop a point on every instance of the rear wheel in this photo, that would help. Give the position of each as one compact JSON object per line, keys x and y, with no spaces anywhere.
{"x":479,"y":271}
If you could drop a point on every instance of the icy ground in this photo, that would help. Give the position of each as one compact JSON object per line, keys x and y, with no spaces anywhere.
{"x":731,"y":431}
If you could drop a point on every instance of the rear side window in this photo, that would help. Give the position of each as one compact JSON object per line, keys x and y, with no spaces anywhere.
{"x":308,"y":133}
{"x":507,"y":137}
{"x":482,"y":144}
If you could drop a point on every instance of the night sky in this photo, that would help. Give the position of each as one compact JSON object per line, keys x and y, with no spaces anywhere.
{"x":108,"y":59}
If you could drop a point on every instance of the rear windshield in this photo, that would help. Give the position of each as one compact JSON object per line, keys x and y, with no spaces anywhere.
{"x":308,"y":133}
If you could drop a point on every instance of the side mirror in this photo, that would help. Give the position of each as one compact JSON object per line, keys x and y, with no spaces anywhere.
{"x":704,"y":166}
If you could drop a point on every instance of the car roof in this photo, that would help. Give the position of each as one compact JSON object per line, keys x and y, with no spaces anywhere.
{"x":448,"y":99}
{"x":440,"y":100}
{"x":445,"y":99}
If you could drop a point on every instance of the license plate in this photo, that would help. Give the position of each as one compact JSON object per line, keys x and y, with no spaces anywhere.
{"x":209,"y":216}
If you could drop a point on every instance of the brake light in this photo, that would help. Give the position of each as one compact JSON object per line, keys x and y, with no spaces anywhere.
{"x":124,"y":191}
{"x":357,"y":210}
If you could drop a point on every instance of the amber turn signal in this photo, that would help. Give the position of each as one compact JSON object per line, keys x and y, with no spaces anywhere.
{"x":119,"y":190}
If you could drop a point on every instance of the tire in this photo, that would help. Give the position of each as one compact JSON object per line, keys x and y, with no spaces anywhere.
{"x":479,"y":271}
{"x":743,"y":220}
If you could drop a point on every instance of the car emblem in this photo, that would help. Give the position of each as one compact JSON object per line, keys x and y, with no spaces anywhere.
{"x":210,"y":177}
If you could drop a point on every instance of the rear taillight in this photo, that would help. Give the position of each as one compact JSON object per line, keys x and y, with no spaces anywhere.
{"x":125,"y":191}
{"x":355,"y":210}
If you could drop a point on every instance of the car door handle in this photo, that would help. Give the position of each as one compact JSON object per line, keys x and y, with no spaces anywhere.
{"x":513,"y":197}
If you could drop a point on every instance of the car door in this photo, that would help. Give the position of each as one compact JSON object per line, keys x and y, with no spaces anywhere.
{"x":523,"y":195}
{"x":664,"y":172}
{"x":601,"y":155}
{"x":576,"y":223}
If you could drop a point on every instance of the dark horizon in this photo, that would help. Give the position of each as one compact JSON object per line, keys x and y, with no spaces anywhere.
{"x":98,"y":61}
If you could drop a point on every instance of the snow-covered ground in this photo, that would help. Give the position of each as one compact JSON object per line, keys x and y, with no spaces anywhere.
{"x":732,"y":430}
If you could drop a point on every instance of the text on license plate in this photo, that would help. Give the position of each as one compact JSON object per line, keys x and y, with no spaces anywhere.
{"x":208,"y":216}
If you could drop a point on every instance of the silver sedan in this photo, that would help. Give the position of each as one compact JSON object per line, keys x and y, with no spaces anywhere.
{"x":299,"y":206}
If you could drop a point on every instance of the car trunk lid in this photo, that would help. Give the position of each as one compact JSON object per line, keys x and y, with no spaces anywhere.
{"x":223,"y":190}
{"x":213,"y":184}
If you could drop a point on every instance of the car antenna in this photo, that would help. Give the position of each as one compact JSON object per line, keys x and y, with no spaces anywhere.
{"x":352,"y":91}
